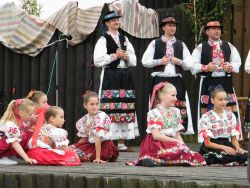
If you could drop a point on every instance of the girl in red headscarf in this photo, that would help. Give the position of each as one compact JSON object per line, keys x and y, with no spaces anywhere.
{"x":163,"y":144}
{"x":13,"y":128}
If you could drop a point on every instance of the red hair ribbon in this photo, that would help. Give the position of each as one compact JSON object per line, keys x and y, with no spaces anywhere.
{"x":40,"y":112}
{"x":156,"y":88}
{"x":15,"y":109}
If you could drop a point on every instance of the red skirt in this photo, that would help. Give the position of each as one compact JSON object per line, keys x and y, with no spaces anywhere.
{"x":6,"y":149}
{"x":48,"y":157}
{"x":108,"y":151}
{"x":167,"y":153}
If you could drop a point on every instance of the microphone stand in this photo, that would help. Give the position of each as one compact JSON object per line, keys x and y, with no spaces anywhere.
{"x":53,"y":66}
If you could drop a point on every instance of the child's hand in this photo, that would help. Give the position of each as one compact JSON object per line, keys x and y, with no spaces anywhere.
{"x":241,"y":151}
{"x":180,"y":142}
{"x":30,"y":161}
{"x":99,"y":161}
{"x":64,"y":148}
{"x":229,"y":150}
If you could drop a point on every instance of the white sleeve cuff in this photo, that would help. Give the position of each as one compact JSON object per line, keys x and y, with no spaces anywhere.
{"x":11,"y":140}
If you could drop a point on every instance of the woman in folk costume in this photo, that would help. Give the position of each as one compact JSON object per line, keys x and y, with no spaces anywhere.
{"x":168,"y":57}
{"x":51,"y":145}
{"x":220,"y":134}
{"x":114,"y":53}
{"x":163,"y":144}
{"x":247,"y":118}
{"x":215,"y":61}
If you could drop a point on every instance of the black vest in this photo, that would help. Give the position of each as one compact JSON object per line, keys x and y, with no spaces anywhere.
{"x":112,"y":47}
{"x":206,"y":54}
{"x":160,"y":51}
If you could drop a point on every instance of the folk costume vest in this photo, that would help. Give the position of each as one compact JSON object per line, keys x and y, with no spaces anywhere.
{"x":160,"y":51}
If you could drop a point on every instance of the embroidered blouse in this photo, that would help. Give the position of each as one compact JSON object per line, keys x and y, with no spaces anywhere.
{"x":215,"y":125}
{"x":148,"y":58}
{"x":52,"y":137}
{"x":12,"y":131}
{"x":168,"y":121}
{"x":247,"y":64}
{"x":101,"y":58}
{"x":235,"y":59}
{"x":94,"y":126}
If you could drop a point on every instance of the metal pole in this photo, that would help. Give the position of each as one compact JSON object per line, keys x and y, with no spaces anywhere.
{"x":57,"y":87}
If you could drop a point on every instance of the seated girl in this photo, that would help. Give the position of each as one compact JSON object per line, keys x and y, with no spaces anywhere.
{"x":163,"y":144}
{"x":219,"y":131}
{"x":94,"y":132}
{"x":51,"y":147}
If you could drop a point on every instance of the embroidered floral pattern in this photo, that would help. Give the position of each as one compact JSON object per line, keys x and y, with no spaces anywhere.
{"x":119,"y":105}
{"x":12,"y":132}
{"x":168,"y":120}
{"x":53,"y":136}
{"x":216,"y":126}
{"x":122,"y":117}
{"x":92,"y":126}
{"x":122,"y":93}
{"x":203,"y":68}
{"x":204,"y":99}
{"x":170,"y":162}
{"x":179,"y":103}
{"x":231,"y":98}
{"x":217,"y":56}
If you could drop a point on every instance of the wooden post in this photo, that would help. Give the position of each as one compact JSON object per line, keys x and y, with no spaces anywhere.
{"x":76,"y":181}
{"x":27,"y":181}
{"x":129,"y":182}
{"x":111,"y":182}
{"x":94,"y":182}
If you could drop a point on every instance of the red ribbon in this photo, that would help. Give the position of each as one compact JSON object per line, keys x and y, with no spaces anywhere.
{"x":156,"y":88}
{"x":204,"y":136}
{"x":152,"y":122}
{"x":17,"y":103}
{"x":100,"y":128}
{"x":40,"y":112}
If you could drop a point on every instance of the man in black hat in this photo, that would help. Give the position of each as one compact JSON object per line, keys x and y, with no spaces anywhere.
{"x":215,"y":61}
{"x":168,"y":56}
{"x":114,"y":53}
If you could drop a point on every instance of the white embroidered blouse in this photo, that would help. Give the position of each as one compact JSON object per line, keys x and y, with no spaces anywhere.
{"x":94,"y":126}
{"x":148,"y":60}
{"x":247,"y":63}
{"x":168,"y":121}
{"x":52,"y":137}
{"x":215,"y":125}
{"x":11,"y":131}
{"x":102,"y":59}
{"x":235,"y":59}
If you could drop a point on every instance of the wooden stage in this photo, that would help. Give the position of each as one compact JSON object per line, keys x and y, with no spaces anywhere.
{"x":118,"y":175}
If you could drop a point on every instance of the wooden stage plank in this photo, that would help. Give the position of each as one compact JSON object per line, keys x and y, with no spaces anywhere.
{"x":202,"y":175}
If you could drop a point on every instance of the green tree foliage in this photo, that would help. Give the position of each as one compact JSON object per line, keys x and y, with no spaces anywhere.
{"x":32,"y":7}
{"x":202,"y":11}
